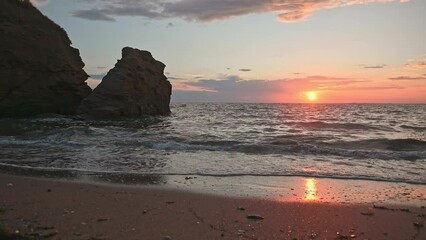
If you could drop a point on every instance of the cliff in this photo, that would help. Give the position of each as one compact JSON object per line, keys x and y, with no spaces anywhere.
{"x":39,"y":70}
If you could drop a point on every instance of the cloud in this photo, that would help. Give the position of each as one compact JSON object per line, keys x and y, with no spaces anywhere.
{"x":417,"y":63}
{"x":174,"y":78}
{"x":244,"y":70}
{"x":406,"y":78}
{"x":212,"y":10}
{"x":373,"y":66}
{"x":39,"y":2}
{"x":377,"y":88}
{"x":235,"y":89}
{"x":93,"y":15}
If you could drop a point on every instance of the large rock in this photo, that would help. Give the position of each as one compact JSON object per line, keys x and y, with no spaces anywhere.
{"x":39,"y":71}
{"x":136,"y":86}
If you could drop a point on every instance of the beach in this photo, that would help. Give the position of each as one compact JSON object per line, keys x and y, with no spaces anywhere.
{"x":198,"y":119}
{"x":55,"y":209}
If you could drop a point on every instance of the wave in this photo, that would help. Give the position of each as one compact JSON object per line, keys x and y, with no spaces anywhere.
{"x":384,"y":149}
{"x":319,"y":125}
{"x":408,"y":144}
{"x":417,"y":128}
{"x":12,"y":141}
{"x":117,"y":177}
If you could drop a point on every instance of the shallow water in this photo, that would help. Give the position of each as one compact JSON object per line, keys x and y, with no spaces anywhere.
{"x":349,"y":141}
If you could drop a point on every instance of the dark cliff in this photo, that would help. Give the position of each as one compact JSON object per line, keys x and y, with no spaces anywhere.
{"x":39,"y":70}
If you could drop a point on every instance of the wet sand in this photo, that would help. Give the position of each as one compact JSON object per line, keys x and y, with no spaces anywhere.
{"x":53,"y":209}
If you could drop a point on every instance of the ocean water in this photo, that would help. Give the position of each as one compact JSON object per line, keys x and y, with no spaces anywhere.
{"x":380,"y":142}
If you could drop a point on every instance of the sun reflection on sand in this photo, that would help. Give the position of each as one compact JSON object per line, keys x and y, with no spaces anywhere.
{"x":311,"y":189}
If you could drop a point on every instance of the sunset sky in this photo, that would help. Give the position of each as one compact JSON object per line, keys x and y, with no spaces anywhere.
{"x":334,"y":51}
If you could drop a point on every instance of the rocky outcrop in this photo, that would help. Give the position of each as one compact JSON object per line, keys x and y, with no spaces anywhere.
{"x":136,"y":86}
{"x":39,"y":71}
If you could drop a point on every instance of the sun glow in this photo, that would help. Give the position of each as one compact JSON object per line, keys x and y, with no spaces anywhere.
{"x":312,"y":96}
{"x":311,"y":189}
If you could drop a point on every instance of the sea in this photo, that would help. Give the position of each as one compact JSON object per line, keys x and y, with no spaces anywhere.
{"x":379,"y":142}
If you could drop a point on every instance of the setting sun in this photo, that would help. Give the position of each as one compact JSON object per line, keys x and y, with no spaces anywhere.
{"x":312,"y":96}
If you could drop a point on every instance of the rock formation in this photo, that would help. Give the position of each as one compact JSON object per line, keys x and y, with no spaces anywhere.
{"x":136,"y":86}
{"x":39,"y":71}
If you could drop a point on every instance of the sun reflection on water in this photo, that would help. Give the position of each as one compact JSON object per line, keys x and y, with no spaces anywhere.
{"x":311,"y":189}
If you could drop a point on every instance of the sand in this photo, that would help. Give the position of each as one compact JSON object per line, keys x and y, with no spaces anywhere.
{"x":54,"y":209}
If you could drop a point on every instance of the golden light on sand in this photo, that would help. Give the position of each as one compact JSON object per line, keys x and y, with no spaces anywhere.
{"x":310,"y":189}
{"x":312,"y":96}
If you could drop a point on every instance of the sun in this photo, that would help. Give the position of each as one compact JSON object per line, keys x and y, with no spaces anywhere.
{"x":312,"y":96}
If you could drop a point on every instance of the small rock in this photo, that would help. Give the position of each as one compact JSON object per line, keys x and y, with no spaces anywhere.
{"x":254,"y":217}
{"x":241,"y":208}
{"x":49,"y":234}
{"x":418,"y":224}
{"x":49,"y":190}
{"x":367,"y":213}
{"x":144,"y":211}
{"x":9,"y":185}
{"x":98,"y":238}
{"x":102,"y":219}
{"x":77,"y":234}
{"x":43,"y":228}
{"x":380,"y":207}
{"x":340,"y":237}
{"x":167,"y":238}
{"x":240,"y":232}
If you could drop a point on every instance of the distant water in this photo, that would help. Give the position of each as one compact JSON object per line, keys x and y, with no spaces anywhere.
{"x":353,"y":141}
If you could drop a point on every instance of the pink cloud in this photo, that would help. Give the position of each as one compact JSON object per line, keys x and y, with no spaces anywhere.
{"x":417,"y":63}
{"x":213,"y":10}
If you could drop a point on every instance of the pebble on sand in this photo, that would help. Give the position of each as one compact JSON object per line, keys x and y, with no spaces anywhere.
{"x":254,"y":217}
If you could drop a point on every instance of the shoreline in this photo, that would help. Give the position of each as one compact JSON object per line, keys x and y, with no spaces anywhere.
{"x":57,"y":209}
{"x":12,"y":169}
{"x":279,"y":188}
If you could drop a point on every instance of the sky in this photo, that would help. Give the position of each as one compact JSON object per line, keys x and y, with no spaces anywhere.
{"x":289,"y":51}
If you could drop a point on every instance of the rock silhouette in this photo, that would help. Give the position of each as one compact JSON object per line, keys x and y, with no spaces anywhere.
{"x":39,"y":70}
{"x":136,"y":86}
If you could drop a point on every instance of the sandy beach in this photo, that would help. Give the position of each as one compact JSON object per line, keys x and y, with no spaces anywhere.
{"x":52,"y":209}
{"x":212,"y":119}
